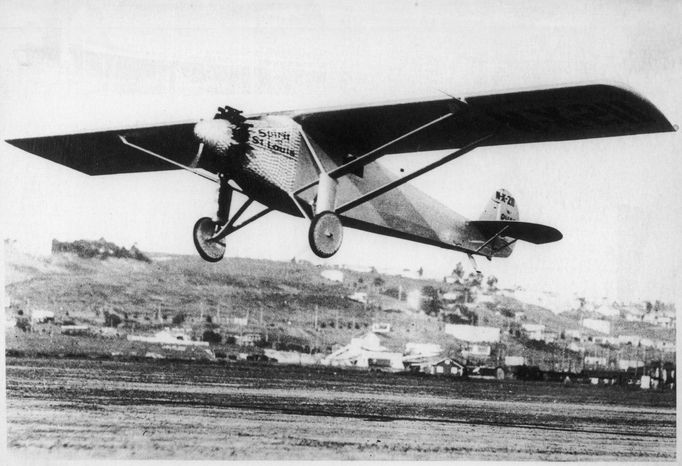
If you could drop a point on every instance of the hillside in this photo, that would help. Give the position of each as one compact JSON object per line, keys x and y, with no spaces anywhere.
{"x":289,"y":305}
{"x":279,"y":298}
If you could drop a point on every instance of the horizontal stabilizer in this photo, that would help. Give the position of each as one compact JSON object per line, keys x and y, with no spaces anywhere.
{"x":524,"y":231}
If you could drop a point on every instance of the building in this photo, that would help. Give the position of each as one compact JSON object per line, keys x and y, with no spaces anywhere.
{"x":435,"y":366}
{"x":606,"y":340}
{"x":667,"y":346}
{"x":75,"y":330}
{"x":248,"y":339}
{"x":595,"y":361}
{"x":599,"y":325}
{"x":239,"y":321}
{"x":633,"y":314}
{"x":625,"y":364}
{"x":477,"y":351}
{"x":633,"y":340}
{"x":291,"y":357}
{"x":365,"y":351}
{"x":514,"y":361}
{"x":607,"y":310}
{"x":39,"y":316}
{"x":174,"y":336}
{"x":381,"y":327}
{"x":422,"y":349}
{"x":473,"y":334}
{"x":660,"y":318}
{"x":533,"y":331}
{"x":359,"y":296}
{"x":333,"y":275}
{"x":575,"y":347}
{"x":573,"y":335}
{"x":446,"y":366}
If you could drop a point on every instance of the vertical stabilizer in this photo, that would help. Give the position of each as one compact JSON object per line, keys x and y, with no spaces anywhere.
{"x":502,"y":206}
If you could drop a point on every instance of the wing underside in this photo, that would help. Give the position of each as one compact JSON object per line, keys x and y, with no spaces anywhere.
{"x":103,"y":152}
{"x":558,"y":114}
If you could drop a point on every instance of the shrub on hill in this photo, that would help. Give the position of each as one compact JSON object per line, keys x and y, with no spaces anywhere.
{"x":100,"y":249}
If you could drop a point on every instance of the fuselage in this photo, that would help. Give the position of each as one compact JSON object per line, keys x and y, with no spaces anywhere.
{"x":280,"y":161}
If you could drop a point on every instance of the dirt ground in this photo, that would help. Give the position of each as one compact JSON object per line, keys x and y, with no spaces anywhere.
{"x":81,"y":409}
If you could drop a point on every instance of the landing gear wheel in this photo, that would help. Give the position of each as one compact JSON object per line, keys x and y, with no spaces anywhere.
{"x":325,"y":234}
{"x":209,"y":250}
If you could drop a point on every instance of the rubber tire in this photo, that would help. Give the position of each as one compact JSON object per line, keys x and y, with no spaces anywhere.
{"x":209,"y":251}
{"x":325,"y":234}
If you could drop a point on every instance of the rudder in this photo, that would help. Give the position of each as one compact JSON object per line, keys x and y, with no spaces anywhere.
{"x":502,"y":206}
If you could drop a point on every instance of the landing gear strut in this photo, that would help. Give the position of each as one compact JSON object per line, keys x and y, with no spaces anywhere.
{"x":209,"y":234}
{"x":326,"y":231}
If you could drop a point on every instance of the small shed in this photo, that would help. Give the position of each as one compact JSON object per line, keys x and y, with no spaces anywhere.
{"x":447,"y":366}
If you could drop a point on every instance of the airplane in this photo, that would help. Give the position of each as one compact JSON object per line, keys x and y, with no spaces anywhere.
{"x":322,"y":165}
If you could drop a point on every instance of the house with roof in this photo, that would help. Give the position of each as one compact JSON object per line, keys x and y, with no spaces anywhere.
{"x":607,"y":310}
{"x":435,"y":365}
{"x":365,"y":351}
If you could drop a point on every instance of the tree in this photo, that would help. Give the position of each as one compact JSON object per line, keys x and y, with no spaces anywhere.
{"x":111,"y":320}
{"x":431,"y":303}
{"x":211,"y":337}
{"x":178,"y":318}
{"x":492,"y":283}
{"x":420,"y":272}
{"x":458,"y":271}
{"x":474,"y":279}
{"x":378,"y":282}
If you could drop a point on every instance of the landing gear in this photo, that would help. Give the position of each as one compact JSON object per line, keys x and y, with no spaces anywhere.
{"x":326,"y":234}
{"x":209,"y":249}
{"x":209,"y":234}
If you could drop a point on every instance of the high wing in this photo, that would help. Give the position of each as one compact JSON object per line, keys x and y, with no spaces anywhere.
{"x":565,"y":113}
{"x":104,"y":153}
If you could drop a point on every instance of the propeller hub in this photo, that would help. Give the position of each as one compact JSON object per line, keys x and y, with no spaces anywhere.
{"x":216,"y":134}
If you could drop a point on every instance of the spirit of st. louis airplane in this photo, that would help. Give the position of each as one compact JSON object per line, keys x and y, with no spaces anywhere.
{"x":322,"y":165}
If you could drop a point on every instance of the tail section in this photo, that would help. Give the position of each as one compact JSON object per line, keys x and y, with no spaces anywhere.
{"x":500,"y":228}
{"x":502,"y":206}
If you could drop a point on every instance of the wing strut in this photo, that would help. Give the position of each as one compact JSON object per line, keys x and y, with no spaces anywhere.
{"x":230,"y":226}
{"x":375,"y":153}
{"x":196,"y":171}
{"x":394,"y":184}
{"x":364,"y":159}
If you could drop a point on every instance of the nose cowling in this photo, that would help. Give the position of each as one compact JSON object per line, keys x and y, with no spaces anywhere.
{"x":217,"y":134}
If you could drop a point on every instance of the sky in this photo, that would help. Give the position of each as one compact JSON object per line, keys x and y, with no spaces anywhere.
{"x":72,"y":66}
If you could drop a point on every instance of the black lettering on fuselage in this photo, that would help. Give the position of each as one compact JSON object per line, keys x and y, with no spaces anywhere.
{"x":273,"y":140}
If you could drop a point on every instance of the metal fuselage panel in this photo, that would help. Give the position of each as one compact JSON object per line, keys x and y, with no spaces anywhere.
{"x":280,"y":162}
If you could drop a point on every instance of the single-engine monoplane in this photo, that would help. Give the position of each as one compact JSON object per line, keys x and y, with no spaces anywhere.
{"x":322,"y":165}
